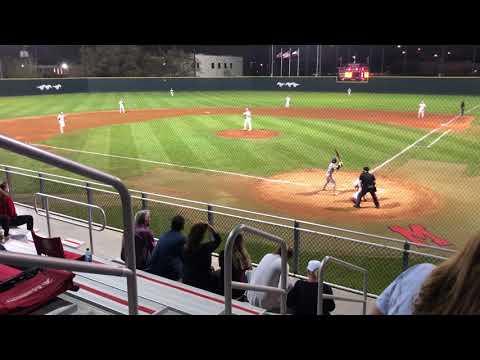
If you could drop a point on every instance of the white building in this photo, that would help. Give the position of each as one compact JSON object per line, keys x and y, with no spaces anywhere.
{"x":218,"y":65}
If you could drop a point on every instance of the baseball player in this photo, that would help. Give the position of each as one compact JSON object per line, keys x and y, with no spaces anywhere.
{"x":421,"y":109}
{"x":61,"y":121}
{"x":349,"y":91}
{"x":462,"y":108}
{"x":334,"y":165}
{"x":121,"y":106}
{"x":357,"y":185}
{"x":171,"y":92}
{"x":287,"y":101}
{"x":247,"y":123}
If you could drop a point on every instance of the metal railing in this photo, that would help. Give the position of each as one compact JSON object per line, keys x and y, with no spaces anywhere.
{"x":321,"y":274}
{"x":384,"y":257}
{"x":46,"y":209}
{"x":126,"y":207}
{"x":229,"y":284}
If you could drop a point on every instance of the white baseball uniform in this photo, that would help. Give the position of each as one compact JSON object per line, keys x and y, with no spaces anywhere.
{"x":349,"y":91}
{"x":171,"y":92}
{"x":329,"y":175}
{"x":247,"y":123}
{"x":357,"y":184}
{"x":61,"y":121}
{"x":287,"y":101}
{"x":421,"y":110}
{"x":121,"y":106}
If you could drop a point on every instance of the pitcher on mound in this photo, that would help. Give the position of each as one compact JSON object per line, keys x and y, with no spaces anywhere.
{"x":247,"y":123}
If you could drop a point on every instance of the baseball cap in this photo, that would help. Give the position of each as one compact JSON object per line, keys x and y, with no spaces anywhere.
{"x":313,"y":265}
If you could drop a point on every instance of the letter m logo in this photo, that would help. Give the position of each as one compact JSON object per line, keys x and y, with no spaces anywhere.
{"x":417,"y":234}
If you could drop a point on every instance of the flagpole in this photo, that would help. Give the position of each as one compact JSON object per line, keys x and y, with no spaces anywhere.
{"x":271,"y":70}
{"x":281,"y":61}
{"x":289,"y":60}
{"x":318,"y":50}
{"x":298,"y":62}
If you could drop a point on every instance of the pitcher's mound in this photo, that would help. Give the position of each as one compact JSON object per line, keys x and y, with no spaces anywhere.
{"x":300,"y":193}
{"x":245,"y":134}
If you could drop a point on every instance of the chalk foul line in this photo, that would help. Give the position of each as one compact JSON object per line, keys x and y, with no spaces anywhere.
{"x":448,"y":123}
{"x":438,"y":138}
{"x":175,"y":165}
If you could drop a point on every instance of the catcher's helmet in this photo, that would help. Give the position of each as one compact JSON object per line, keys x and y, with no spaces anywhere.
{"x":334,"y":160}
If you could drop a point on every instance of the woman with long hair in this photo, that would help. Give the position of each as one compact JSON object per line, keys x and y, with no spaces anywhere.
{"x":144,"y":241}
{"x":197,"y":256}
{"x":451,"y":288}
{"x":241,"y":262}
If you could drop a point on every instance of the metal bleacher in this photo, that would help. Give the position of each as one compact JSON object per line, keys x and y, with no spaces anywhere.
{"x":109,"y":287}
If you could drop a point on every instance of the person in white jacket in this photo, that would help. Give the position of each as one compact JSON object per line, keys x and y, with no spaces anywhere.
{"x":268,"y":273}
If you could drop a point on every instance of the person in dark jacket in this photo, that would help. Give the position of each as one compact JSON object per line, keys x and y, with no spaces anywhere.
{"x":8,"y":214}
{"x":303,"y":298}
{"x":144,"y":241}
{"x":167,"y":257}
{"x":462,"y":108}
{"x":368,"y":185}
{"x":241,"y":262}
{"x":197,"y":255}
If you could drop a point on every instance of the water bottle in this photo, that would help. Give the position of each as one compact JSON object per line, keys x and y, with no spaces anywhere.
{"x":88,"y":255}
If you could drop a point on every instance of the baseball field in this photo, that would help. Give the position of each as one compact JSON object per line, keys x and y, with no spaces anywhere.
{"x":191,"y":145}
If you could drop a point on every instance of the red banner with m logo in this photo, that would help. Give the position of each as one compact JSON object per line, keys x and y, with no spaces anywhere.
{"x":418,"y":234}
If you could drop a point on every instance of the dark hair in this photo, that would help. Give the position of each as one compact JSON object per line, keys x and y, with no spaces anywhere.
{"x":278,"y":251}
{"x":366,"y":168}
{"x":197,"y":232}
{"x":178,"y":222}
{"x":3,"y":185}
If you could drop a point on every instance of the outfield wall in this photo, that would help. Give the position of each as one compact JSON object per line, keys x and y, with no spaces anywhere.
{"x":415,"y":85}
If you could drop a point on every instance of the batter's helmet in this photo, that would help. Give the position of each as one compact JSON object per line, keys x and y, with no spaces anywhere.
{"x":366,"y":168}
{"x":334,"y":160}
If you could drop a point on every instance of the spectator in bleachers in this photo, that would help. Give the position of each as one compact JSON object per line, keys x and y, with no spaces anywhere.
{"x":302,"y":299}
{"x":197,"y":269}
{"x":144,"y":241}
{"x":268,"y":273}
{"x":8,"y":214}
{"x":451,"y":288}
{"x":2,"y":248}
{"x":240,"y":264}
{"x":167,"y":257}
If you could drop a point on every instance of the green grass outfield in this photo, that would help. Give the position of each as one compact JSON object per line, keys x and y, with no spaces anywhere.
{"x":191,"y":140}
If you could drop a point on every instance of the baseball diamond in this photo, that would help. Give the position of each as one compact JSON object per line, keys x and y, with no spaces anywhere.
{"x":427,"y":168}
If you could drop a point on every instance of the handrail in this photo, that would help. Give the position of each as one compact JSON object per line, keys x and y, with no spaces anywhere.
{"x":227,"y":279}
{"x":328,"y":259}
{"x":83,"y":170}
{"x":133,"y":191}
{"x":104,"y":223}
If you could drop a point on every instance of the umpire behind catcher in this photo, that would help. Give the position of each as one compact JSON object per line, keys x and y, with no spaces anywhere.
{"x":367,"y":182}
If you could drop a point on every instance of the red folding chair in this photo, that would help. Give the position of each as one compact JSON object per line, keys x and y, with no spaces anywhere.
{"x":48,"y":246}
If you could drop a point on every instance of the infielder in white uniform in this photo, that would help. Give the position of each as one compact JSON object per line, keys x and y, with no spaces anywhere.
{"x":287,"y":101}
{"x":171,"y":92}
{"x":247,"y":123}
{"x":421,"y":110}
{"x":121,"y":106}
{"x":329,"y":175}
{"x":61,"y":121}
{"x":349,"y":91}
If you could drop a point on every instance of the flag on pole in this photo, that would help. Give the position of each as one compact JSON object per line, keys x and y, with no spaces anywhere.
{"x":279,"y":55}
{"x":289,"y":61}
{"x":286,"y":54}
{"x":296,"y":52}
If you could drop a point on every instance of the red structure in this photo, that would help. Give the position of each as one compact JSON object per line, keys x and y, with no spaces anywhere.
{"x":353,"y":72}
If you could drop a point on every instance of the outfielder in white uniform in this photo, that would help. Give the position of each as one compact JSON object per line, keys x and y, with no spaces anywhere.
{"x":247,"y":123}
{"x":421,"y":110}
{"x":61,"y":121}
{"x":287,"y":101}
{"x":171,"y":92}
{"x":329,"y":175}
{"x":349,"y":91}
{"x":121,"y":107}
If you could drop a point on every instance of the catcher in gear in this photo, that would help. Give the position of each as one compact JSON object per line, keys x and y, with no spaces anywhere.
{"x":334,"y":165}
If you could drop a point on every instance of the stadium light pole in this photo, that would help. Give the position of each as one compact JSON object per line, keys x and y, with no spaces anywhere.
{"x":271,"y":68}
{"x":383,"y":59}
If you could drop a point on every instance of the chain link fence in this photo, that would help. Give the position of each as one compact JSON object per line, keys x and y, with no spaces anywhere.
{"x":383,"y":257}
